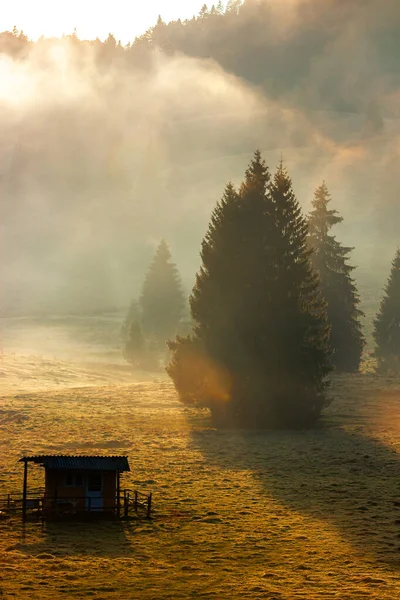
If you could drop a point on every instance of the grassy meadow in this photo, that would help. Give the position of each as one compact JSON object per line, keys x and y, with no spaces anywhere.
{"x":278,"y":515}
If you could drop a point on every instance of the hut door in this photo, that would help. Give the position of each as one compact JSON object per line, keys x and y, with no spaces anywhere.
{"x":94,"y":492}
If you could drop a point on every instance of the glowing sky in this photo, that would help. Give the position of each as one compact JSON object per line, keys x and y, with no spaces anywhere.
{"x":92,"y":18}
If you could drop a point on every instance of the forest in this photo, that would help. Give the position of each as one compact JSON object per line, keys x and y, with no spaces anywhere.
{"x":258,"y":41}
{"x":104,"y":143}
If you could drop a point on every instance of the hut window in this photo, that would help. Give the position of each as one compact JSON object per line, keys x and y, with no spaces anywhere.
{"x":94,"y":483}
{"x":73,"y":480}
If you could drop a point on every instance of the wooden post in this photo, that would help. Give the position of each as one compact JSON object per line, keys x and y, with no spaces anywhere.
{"x":136,"y":501}
{"x":8,"y":502}
{"x":55,"y":498}
{"x":149,"y":499}
{"x":118,"y":495}
{"x":25,"y":490}
{"x":124,"y":503}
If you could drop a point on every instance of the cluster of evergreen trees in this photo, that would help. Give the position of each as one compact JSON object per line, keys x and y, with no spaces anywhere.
{"x":275,"y":308}
{"x":259,"y":353}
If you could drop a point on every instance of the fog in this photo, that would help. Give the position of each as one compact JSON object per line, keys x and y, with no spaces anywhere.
{"x":98,"y":164}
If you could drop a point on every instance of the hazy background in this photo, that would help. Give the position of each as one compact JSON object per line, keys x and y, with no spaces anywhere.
{"x":103,"y":151}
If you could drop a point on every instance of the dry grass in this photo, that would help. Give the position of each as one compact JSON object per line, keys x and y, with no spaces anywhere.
{"x":313,"y":514}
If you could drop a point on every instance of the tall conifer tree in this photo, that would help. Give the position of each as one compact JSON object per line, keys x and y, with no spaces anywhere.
{"x":258,"y":355}
{"x":387,"y":322}
{"x":162,"y":300}
{"x":330,"y":259}
{"x":301,"y":357}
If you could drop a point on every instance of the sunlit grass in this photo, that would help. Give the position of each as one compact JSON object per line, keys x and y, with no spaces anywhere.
{"x":238,"y":515}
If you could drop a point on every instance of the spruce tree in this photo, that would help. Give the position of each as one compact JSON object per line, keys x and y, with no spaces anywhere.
{"x":330,"y":259}
{"x":220,"y":7}
{"x":162,"y":300}
{"x":387,"y":323}
{"x":301,"y":358}
{"x":135,"y":347}
{"x":258,"y":355}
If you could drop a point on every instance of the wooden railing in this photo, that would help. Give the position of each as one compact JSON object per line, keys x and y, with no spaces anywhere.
{"x":137,"y":501}
{"x":41,"y":505}
{"x":13,"y":503}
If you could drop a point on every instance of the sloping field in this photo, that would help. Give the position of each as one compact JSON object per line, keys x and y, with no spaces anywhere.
{"x":308,"y":514}
{"x":33,"y":373}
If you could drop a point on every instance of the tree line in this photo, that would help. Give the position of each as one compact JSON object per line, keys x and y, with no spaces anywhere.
{"x":243,"y":37}
{"x":274,"y":309}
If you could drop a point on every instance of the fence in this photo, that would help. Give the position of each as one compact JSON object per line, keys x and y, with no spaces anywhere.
{"x":137,"y":501}
{"x":13,"y":503}
{"x":38,"y":504}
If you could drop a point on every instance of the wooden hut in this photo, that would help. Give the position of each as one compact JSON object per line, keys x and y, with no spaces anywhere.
{"x":78,"y":484}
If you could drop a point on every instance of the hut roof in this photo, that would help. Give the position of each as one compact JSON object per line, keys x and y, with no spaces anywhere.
{"x":80,"y":463}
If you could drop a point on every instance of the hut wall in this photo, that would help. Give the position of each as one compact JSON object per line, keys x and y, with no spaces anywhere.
{"x":109,"y":488}
{"x":56,"y":486}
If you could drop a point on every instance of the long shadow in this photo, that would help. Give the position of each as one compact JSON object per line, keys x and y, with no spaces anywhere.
{"x":336,"y":474}
{"x":58,"y":539}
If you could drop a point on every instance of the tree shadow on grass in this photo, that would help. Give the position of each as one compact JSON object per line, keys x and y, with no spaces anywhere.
{"x":67,"y":539}
{"x":335,"y":473}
